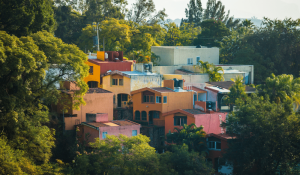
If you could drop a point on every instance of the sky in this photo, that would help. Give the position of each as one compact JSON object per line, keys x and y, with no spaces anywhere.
{"x":272,"y":9}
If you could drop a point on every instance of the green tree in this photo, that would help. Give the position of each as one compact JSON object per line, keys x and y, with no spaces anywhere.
{"x":182,"y":161}
{"x":216,"y":10}
{"x":212,"y":31}
{"x":144,"y":11}
{"x":188,"y":33}
{"x":22,"y":18}
{"x":172,"y":37}
{"x":194,"y":12}
{"x":119,"y":155}
{"x":237,"y":91}
{"x":272,"y":48}
{"x":266,"y":137}
{"x":282,"y":88}
{"x":69,"y":24}
{"x":191,"y":135}
{"x":215,"y":73}
{"x":26,"y":88}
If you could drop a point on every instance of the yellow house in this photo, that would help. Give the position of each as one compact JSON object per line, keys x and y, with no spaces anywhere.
{"x":93,"y":79}
{"x":121,"y":83}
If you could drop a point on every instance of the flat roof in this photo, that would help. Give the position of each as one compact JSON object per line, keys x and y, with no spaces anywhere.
{"x":162,"y":89}
{"x":194,"y":111}
{"x":226,"y":85}
{"x":113,"y":123}
{"x":137,"y":73}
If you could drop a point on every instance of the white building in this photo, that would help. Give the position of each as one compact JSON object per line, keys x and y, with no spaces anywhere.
{"x":185,"y":55}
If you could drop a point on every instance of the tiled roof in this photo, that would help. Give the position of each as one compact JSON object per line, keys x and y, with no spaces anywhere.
{"x":97,"y":90}
{"x":228,"y":84}
{"x":193,"y":111}
{"x":162,"y":89}
{"x":221,"y":136}
{"x":115,"y":72}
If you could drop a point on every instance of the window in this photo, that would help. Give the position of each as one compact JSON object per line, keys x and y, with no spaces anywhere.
{"x":93,"y":84}
{"x":190,"y":61}
{"x":165,"y":99}
{"x":198,"y":59}
{"x":134,"y":132}
{"x":180,"y":121}
{"x":137,"y":115}
{"x":124,"y":97}
{"x":114,"y":81}
{"x":91,"y":71}
{"x":144,"y":115}
{"x":158,"y":99}
{"x":121,"y":82}
{"x":155,"y":114}
{"x":214,"y":145}
{"x":148,"y":98}
{"x":104,"y":135}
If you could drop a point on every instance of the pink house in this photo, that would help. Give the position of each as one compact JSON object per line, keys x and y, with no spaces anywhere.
{"x":98,"y":126}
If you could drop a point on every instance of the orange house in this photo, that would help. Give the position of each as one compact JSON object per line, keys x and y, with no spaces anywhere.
{"x":150,"y":103}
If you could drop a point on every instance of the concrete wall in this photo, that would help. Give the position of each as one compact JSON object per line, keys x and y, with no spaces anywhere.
{"x":165,"y":69}
{"x":142,"y":81}
{"x":201,"y":78}
{"x":243,"y":68}
{"x":210,"y":55}
{"x":95,"y":103}
{"x":229,"y":76}
{"x":166,"y":55}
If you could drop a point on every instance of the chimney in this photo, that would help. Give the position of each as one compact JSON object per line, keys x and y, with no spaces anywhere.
{"x":169,"y":84}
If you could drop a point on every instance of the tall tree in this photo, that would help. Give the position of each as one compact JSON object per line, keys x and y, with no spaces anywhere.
{"x":144,"y":11}
{"x":194,"y":12}
{"x":212,"y":32}
{"x":215,"y":73}
{"x":216,"y":10}
{"x":26,"y":89}
{"x":22,"y":18}
{"x":266,"y":137}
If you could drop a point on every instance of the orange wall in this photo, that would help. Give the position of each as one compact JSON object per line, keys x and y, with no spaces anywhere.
{"x":95,"y":103}
{"x":96,"y":73}
{"x":168,"y":84}
{"x":175,"y":100}
{"x":169,"y":122}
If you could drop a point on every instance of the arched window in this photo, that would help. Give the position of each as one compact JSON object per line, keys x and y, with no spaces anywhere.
{"x":137,"y":115}
{"x":144,"y":115}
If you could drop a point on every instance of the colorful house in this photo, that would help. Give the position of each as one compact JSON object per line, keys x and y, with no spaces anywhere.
{"x":218,"y":91}
{"x":150,"y":103}
{"x":121,"y":83}
{"x":210,"y":121}
{"x":217,"y":145}
{"x":98,"y":126}
{"x":97,"y":101}
{"x":106,"y":61}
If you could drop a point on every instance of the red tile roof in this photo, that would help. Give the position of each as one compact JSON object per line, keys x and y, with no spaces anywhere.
{"x":198,"y":89}
{"x":117,"y":122}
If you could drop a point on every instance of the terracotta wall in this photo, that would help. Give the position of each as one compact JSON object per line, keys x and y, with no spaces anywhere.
{"x":212,"y":154}
{"x":120,"y":66}
{"x":200,"y":105}
{"x":169,"y":84}
{"x":102,"y":117}
{"x":169,"y":122}
{"x":95,"y":103}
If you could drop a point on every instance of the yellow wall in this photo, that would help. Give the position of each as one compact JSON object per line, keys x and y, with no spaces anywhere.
{"x":116,"y":89}
{"x":101,"y":55}
{"x":96,"y":73}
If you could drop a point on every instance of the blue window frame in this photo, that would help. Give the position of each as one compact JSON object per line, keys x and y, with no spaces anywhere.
{"x":134,"y":132}
{"x":104,"y":135}
{"x":165,"y":99}
{"x":198,"y":59}
{"x":158,"y":99}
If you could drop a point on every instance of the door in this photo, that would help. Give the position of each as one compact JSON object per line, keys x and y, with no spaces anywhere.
{"x":119,"y":100}
{"x":150,"y":117}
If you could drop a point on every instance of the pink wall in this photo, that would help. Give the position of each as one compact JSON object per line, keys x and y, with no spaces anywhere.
{"x":211,"y":122}
{"x":102,"y":117}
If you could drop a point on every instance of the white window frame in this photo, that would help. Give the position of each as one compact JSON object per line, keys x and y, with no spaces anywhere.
{"x":215,"y":143}
{"x":197,"y":59}
{"x":190,"y":61}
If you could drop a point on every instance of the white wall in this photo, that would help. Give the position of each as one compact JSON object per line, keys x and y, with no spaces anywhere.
{"x":165,"y":69}
{"x":202,"y":78}
{"x":243,"y":68}
{"x":178,"y":55}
